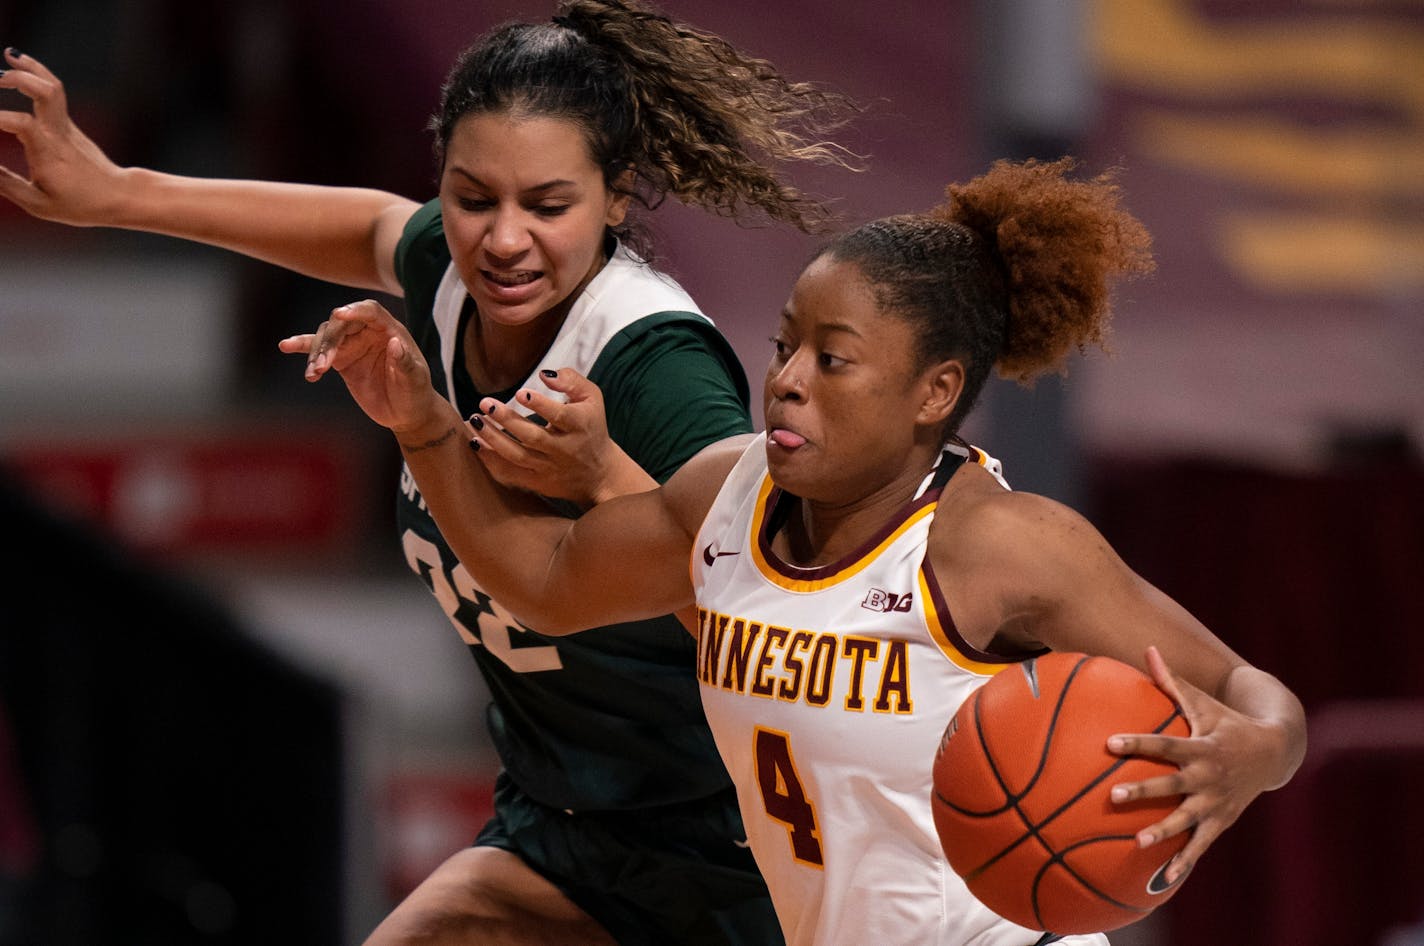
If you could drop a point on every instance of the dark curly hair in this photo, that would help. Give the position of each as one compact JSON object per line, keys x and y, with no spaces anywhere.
{"x":687,"y":112}
{"x":1012,"y":272}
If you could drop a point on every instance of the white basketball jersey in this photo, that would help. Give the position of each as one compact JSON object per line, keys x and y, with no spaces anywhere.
{"x":828,"y":690}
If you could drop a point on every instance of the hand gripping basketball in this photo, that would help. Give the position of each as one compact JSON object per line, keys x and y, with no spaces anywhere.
{"x":1021,"y":794}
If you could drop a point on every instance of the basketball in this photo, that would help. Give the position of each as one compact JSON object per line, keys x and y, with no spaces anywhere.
{"x":1021,"y":794}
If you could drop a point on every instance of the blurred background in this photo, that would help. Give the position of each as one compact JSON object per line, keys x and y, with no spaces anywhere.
{"x":229,"y":715}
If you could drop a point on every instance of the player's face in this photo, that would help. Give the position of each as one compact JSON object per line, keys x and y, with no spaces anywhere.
{"x":842,"y":393}
{"x":524,"y":208}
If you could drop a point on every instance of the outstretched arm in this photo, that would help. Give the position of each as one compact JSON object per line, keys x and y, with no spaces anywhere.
{"x":339,"y":234}
{"x":623,"y":560}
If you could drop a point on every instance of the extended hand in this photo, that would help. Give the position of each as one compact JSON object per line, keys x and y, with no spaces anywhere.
{"x":377,"y":358}
{"x":71,"y":180}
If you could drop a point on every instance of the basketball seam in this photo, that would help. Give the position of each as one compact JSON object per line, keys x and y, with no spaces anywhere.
{"x":1058,"y":858}
{"x":1012,"y":799}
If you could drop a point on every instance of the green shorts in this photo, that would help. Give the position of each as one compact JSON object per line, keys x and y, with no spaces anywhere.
{"x":672,"y":874}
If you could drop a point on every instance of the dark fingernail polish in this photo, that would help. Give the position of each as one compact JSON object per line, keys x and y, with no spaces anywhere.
{"x":475,"y":445}
{"x":549,"y":373}
{"x":477,"y":422}
{"x":12,"y":52}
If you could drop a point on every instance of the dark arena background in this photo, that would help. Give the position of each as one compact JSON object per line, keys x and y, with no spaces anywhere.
{"x":228,"y":715}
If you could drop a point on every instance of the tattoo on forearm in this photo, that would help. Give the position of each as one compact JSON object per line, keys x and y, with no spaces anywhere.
{"x":417,"y":447}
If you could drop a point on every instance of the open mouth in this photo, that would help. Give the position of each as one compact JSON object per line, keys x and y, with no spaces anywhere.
{"x":511,"y":279}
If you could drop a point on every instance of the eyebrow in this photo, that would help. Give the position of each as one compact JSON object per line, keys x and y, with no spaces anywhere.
{"x":843,"y":327}
{"x":536,"y":189}
{"x":789,"y":316}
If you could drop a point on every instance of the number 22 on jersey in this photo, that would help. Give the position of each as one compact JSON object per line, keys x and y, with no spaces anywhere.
{"x":493,"y":622}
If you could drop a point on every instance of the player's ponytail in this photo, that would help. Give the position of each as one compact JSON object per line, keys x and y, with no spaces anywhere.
{"x":708,"y":115}
{"x":1060,"y":243}
{"x":1012,"y":272}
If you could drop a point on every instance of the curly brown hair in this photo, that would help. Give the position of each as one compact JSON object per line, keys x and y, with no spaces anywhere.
{"x":686,"y":111}
{"x":1013,"y":271}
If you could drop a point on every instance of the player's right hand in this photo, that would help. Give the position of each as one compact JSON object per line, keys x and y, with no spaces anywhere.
{"x":569,"y":455}
{"x":71,"y":180}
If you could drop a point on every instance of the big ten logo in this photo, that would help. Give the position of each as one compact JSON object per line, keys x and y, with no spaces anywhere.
{"x":887,"y":601}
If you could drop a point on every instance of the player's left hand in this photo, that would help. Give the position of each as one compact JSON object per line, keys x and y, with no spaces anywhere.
{"x":1222,"y":767}
{"x":375,"y":355}
{"x":569,"y":456}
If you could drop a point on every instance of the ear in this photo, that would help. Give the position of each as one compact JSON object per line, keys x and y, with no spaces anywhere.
{"x":620,"y":193}
{"x":943,"y":383}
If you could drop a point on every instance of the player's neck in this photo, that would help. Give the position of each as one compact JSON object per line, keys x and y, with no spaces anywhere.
{"x":817,"y":533}
{"x":498,"y":357}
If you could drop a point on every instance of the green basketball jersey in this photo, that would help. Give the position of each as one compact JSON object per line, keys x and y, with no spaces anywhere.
{"x":609,"y":718}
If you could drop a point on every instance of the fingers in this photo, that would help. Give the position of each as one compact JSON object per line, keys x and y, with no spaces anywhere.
{"x":345,"y":321}
{"x":1178,"y":822}
{"x":40,"y":131}
{"x":321,"y":346}
{"x":1162,"y":676}
{"x":308,"y":344}
{"x":487,"y":445}
{"x":576,"y":407}
{"x":12,"y":186}
{"x":30,"y":78}
{"x":569,"y":387}
{"x":560,"y":450}
{"x":1188,"y":856}
{"x":14,"y":59}
{"x":296,"y":344}
{"x":552,"y":410}
{"x":570,"y":383}
{"x":364,"y":312}
{"x":1181,"y":821}
{"x":1175,"y":749}
{"x":504,"y":430}
{"x":14,"y":123}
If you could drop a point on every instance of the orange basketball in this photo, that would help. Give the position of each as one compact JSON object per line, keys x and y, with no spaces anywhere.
{"x":1021,"y":794}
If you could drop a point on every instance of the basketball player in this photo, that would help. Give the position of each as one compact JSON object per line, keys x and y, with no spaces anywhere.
{"x":857,"y":569}
{"x":615,"y":818}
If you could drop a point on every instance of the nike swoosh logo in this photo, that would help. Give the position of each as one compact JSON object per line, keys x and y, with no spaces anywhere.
{"x":743,"y":842}
{"x":709,"y":556}
{"x":1158,"y":882}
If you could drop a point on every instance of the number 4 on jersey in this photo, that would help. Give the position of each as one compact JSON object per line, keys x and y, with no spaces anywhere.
{"x":784,"y":797}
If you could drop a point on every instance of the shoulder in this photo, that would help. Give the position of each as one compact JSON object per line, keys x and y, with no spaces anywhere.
{"x":627,"y":282}
{"x":671,"y":389}
{"x":978,"y":518}
{"x":671,"y":346}
{"x":421,"y":253}
{"x":1010,"y":563}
